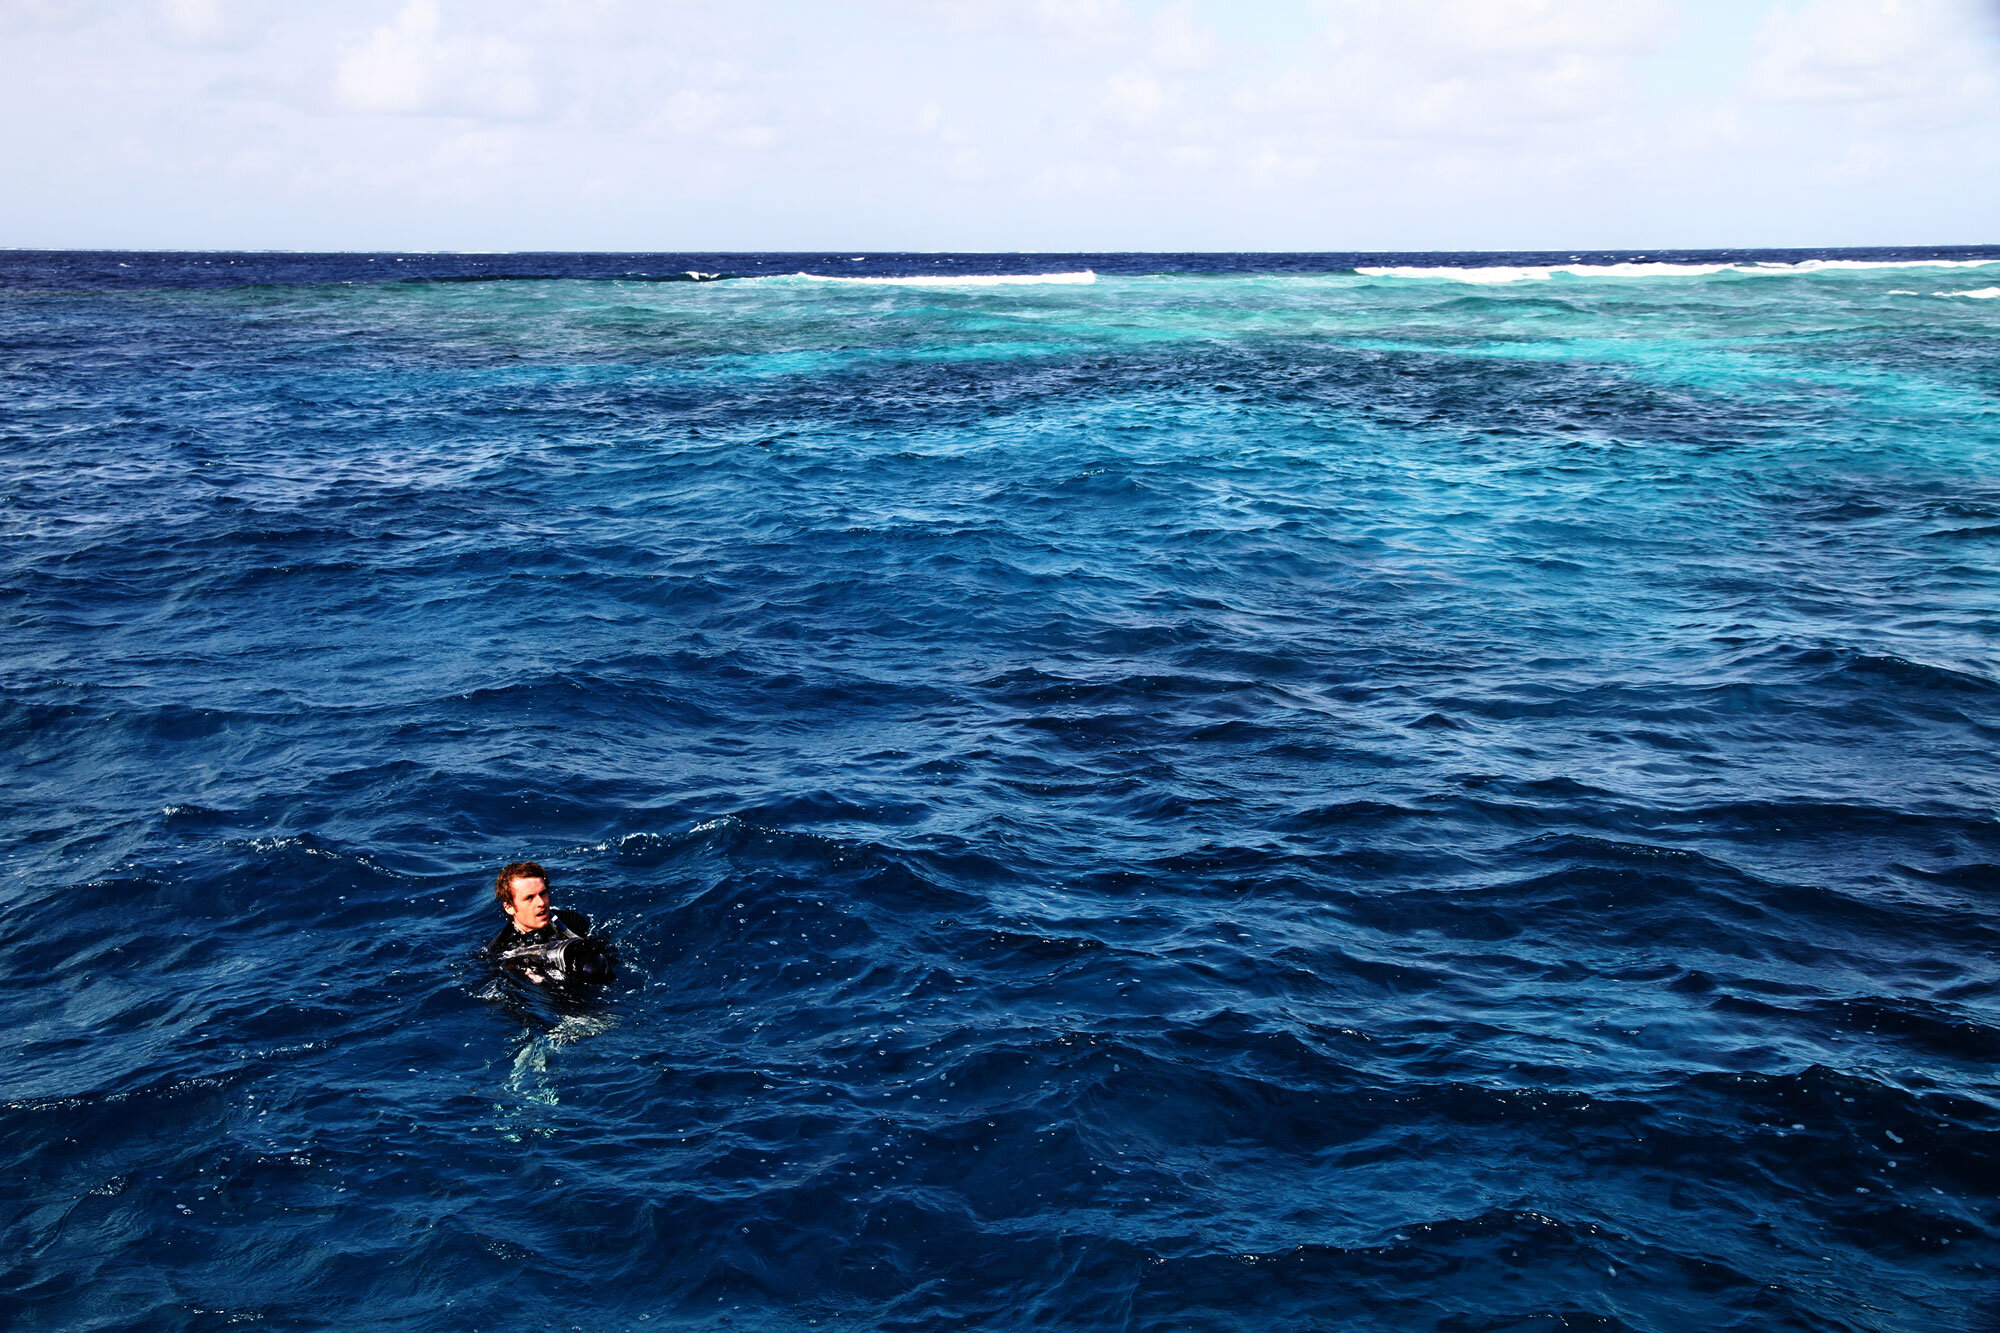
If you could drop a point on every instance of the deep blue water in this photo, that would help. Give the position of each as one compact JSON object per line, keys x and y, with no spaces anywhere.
{"x":1250,"y":793}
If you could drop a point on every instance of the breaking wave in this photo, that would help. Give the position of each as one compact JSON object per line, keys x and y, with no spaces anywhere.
{"x":1505,"y":273}
{"x":1078,"y":279}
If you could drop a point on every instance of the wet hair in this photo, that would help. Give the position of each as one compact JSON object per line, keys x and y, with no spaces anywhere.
{"x":503,"y":883}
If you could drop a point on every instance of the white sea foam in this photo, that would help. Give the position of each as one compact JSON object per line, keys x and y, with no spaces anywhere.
{"x":968,"y":280}
{"x":1810,"y":264}
{"x":1638,"y":269}
{"x":1543,"y":272}
{"x":1983,"y":294}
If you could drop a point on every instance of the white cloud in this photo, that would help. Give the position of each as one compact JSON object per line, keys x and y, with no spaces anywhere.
{"x":1082,"y":18}
{"x":394,"y":71}
{"x":1534,"y":30}
{"x":689,"y":111}
{"x":1179,"y":42}
{"x":1476,"y":70}
{"x":1930,"y":55}
{"x":21,"y":16}
{"x":1135,"y":97}
{"x":413,"y":66}
{"x":215,"y":24}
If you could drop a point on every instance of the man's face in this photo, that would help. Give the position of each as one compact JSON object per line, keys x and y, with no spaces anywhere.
{"x":531,"y":903}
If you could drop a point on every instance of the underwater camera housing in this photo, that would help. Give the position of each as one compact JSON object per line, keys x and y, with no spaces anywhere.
{"x":577,"y":959}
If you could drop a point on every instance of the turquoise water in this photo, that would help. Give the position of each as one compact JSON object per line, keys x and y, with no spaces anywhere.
{"x":1354,"y":795}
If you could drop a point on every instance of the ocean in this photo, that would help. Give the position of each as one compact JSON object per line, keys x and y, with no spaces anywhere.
{"x":1140,"y":792}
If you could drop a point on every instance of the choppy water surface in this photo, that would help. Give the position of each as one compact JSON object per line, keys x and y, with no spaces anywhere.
{"x":1238,"y":794}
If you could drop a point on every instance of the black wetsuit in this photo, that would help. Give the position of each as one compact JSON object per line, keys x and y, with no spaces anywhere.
{"x":541,"y":990}
{"x":563,"y":924}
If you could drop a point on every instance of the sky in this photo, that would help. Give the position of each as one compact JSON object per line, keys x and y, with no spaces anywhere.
{"x":998,"y":125}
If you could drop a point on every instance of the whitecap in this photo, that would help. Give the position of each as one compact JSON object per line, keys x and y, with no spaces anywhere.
{"x":1809,"y":265}
{"x":1543,"y":272}
{"x":711,"y":825}
{"x":1983,"y":294}
{"x":1656,"y":269}
{"x":967,"y":280}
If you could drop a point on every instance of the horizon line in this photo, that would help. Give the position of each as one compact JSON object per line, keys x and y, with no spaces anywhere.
{"x":883,"y":252}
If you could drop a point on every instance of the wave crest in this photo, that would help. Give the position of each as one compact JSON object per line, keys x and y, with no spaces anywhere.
{"x":1504,"y":273}
{"x":1079,"y":279}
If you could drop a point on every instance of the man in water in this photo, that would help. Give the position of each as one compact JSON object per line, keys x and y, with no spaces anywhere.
{"x":540,"y":942}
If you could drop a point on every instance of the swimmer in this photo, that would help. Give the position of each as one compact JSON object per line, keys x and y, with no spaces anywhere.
{"x":540,"y":942}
